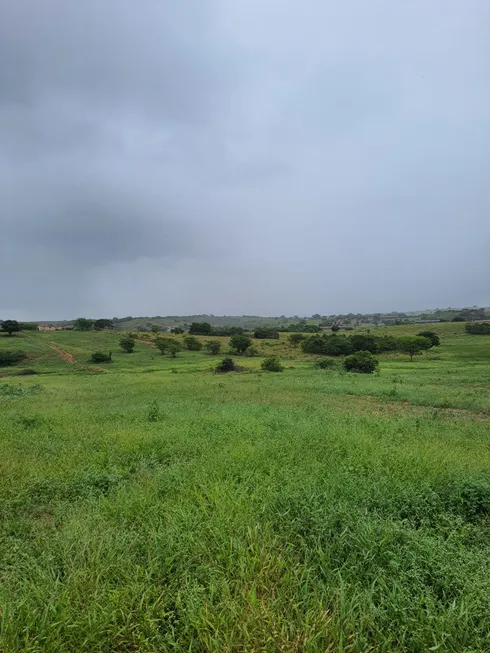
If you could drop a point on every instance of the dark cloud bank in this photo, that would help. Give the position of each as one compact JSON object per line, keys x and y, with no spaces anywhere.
{"x":256,"y":157}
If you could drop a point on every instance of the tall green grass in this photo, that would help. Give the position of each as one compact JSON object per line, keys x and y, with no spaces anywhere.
{"x":145,"y":509}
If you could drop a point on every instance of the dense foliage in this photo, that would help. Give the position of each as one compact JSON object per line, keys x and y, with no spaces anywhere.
{"x":127,"y":344}
{"x":212,"y":347}
{"x":192,"y":344}
{"x":265,"y":333}
{"x":271,"y":364}
{"x":10,"y":327}
{"x":200,"y":329}
{"x":101,"y":357}
{"x":11,"y":357}
{"x":240,"y":342}
{"x":478,"y":328}
{"x":362,"y":362}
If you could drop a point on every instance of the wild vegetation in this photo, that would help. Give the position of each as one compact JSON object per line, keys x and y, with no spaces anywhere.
{"x":151,"y":504}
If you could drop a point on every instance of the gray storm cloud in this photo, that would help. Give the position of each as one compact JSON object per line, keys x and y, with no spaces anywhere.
{"x":259,"y":157}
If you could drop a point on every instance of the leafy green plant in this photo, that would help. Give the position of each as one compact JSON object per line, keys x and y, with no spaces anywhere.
{"x":11,"y":357}
{"x":212,"y":347}
{"x":362,"y":361}
{"x":101,"y":357}
{"x":271,"y":364}
{"x":127,"y":344}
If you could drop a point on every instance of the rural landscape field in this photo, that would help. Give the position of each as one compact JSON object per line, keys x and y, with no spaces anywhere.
{"x":150,"y":504}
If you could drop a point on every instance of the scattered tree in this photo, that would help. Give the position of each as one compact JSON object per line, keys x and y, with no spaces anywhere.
{"x":101,"y":324}
{"x":361,"y":342}
{"x":240,"y":343}
{"x":10,"y":327}
{"x":296,"y":338}
{"x":192,"y":344}
{"x":271,"y":364}
{"x":478,"y":328}
{"x":324,"y":363}
{"x":200,"y":329}
{"x":362,"y":362}
{"x":335,"y":328}
{"x":432,"y":336}
{"x":173,"y":349}
{"x":177,"y":330}
{"x":127,"y":344}
{"x":101,"y":357}
{"x":212,"y":347}
{"x":162,"y":344}
{"x":413,"y":345}
{"x":266,"y":333}
{"x":155,"y":328}
{"x":83,"y":324}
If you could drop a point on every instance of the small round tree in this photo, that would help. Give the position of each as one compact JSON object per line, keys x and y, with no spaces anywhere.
{"x":162,"y":344}
{"x":432,"y":336}
{"x":173,"y":348}
{"x":10,"y":327}
{"x":127,"y":344}
{"x":362,"y":361}
{"x":296,"y":338}
{"x":192,"y":343}
{"x":212,"y":347}
{"x":413,"y":345}
{"x":239,"y":342}
{"x":271,"y":364}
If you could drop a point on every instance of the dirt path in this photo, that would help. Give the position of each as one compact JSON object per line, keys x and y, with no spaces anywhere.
{"x":63,"y":354}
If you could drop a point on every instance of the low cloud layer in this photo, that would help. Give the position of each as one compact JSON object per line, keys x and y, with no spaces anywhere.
{"x":259,"y":157}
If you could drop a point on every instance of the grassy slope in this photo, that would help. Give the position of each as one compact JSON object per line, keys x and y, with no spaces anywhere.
{"x":149,"y":509}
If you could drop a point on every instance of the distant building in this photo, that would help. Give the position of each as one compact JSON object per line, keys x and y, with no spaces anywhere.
{"x":48,"y":327}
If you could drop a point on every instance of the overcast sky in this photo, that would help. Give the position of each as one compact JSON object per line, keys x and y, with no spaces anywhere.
{"x":243,"y":157}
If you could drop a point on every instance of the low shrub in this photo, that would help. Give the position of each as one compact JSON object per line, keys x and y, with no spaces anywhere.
{"x":212,"y":347}
{"x":265,"y":333}
{"x":11,"y":357}
{"x":101,"y":357}
{"x":478,"y":328}
{"x":362,"y":361}
{"x":324,"y":363}
{"x":226,"y":365}
{"x":432,"y":336}
{"x":271,"y":364}
{"x":192,"y":344}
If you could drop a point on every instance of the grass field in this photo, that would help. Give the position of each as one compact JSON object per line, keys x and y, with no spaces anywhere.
{"x":150,"y":505}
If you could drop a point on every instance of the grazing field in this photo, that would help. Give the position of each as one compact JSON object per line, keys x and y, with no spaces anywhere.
{"x":151,"y":505}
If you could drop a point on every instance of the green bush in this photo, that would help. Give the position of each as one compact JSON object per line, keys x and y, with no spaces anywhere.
{"x":271,"y":364}
{"x":239,"y":343}
{"x":100,"y":357}
{"x":324,"y":363}
{"x":478,"y":328}
{"x":362,"y":361}
{"x":11,"y":357}
{"x":296,"y":338}
{"x":163,"y":344}
{"x":212,"y":347}
{"x":127,"y":344}
{"x":192,"y":344}
{"x":432,"y":336}
{"x":266,"y":333}
{"x":226,"y":365}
